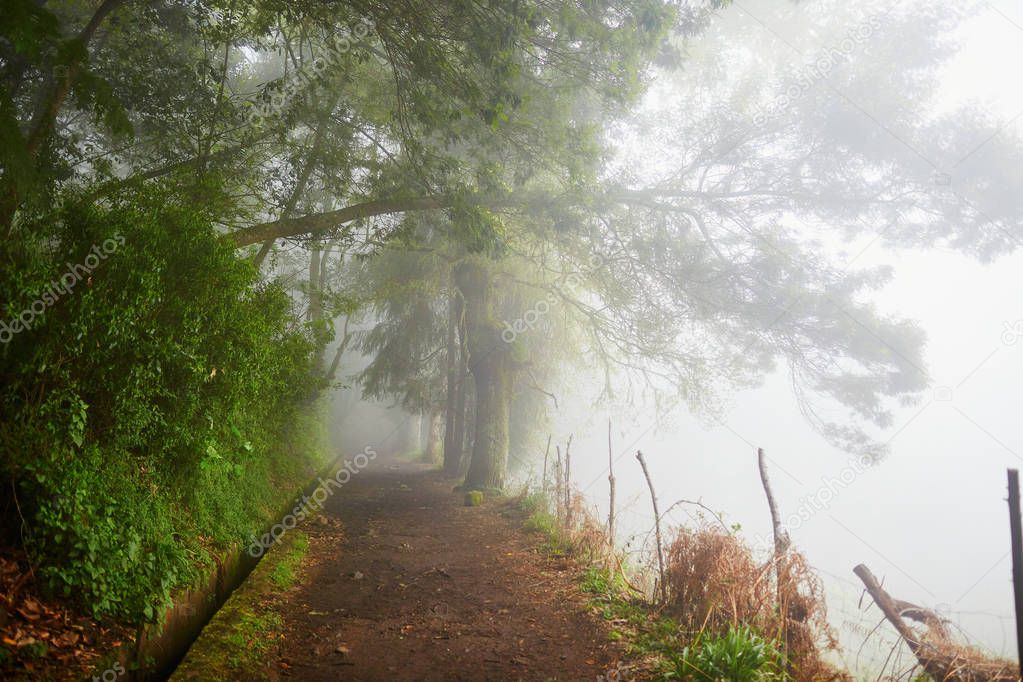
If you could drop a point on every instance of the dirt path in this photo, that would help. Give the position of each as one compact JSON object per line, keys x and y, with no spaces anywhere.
{"x":411,"y":585}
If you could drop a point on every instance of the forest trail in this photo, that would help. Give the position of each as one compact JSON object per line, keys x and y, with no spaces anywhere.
{"x":403,"y":582}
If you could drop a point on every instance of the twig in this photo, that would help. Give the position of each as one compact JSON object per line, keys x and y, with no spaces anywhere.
{"x":701,"y":505}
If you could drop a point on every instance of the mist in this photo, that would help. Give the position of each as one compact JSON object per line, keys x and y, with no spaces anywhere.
{"x":642,"y":339}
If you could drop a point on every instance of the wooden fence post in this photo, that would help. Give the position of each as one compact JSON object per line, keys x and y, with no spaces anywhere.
{"x":543,"y":485}
{"x":657,"y":527}
{"x":568,"y":483}
{"x":1017,"y":559}
{"x":611,"y":484}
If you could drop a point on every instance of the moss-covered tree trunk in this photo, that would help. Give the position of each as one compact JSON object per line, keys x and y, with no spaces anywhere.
{"x":464,"y":406}
{"x":491,"y":364}
{"x":455,"y":399}
{"x":489,"y":460}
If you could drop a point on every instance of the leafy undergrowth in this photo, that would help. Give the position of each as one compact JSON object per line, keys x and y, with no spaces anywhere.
{"x":43,"y":638}
{"x":240,"y":641}
{"x":151,"y":421}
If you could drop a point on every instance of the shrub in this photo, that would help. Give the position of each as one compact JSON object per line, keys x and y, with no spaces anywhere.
{"x":152,"y":415}
{"x":738,"y":655}
{"x":715,"y":585}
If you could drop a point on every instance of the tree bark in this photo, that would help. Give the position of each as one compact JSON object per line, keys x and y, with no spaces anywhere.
{"x":346,"y":338}
{"x":434,"y":450}
{"x":453,"y":439}
{"x":467,"y":415}
{"x":941,"y":663}
{"x":489,"y":460}
{"x":318,"y":222}
{"x":491,"y":365}
{"x":465,"y":401}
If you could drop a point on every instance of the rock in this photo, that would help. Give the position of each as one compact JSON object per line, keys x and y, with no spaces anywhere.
{"x":473,"y":498}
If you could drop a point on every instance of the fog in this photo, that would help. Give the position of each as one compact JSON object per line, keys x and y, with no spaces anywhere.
{"x":930,"y":517}
{"x":243,"y":241}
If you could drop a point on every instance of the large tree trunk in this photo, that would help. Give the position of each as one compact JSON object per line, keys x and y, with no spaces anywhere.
{"x":493,"y":403}
{"x":433,"y":447}
{"x":491,"y":364}
{"x":468,"y":417}
{"x":464,"y":405}
{"x":454,"y":411}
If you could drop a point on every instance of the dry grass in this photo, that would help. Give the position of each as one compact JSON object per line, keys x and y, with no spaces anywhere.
{"x":949,"y":661}
{"x":963,"y":663}
{"x":713,"y":581}
{"x":587,"y":535}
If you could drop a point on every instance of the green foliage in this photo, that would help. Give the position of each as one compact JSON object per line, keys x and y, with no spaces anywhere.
{"x":284,"y":573}
{"x":252,"y":640}
{"x":153,"y":409}
{"x":542,"y":522}
{"x":739,"y":655}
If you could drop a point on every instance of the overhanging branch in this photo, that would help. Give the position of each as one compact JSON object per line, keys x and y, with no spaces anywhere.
{"x":318,"y":222}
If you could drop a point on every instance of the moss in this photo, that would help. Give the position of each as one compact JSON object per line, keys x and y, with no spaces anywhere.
{"x":241,"y":638}
{"x":283,"y":574}
{"x":474,"y":498}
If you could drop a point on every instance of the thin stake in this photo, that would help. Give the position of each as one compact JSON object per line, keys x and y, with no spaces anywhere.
{"x":557,"y":484}
{"x":781,"y":545}
{"x":657,"y":527}
{"x":611,"y":485}
{"x":1016,"y":529}
{"x":568,"y":482}
{"x":543,"y":485}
